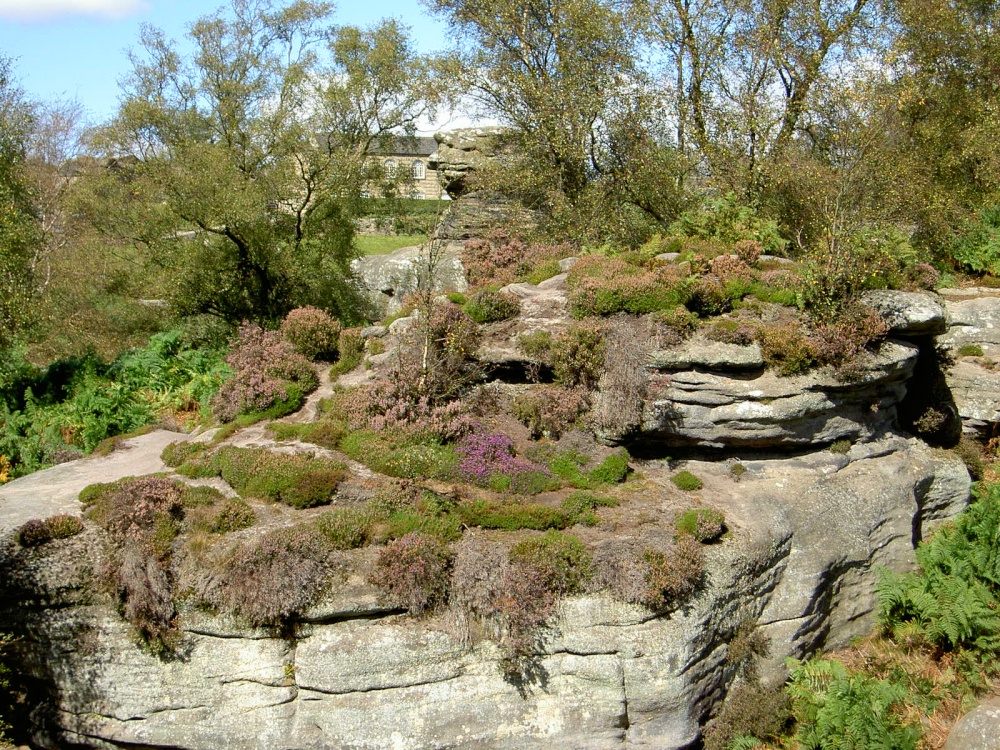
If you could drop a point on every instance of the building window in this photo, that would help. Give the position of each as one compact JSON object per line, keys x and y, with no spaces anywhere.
{"x":417,"y":171}
{"x":390,"y":169}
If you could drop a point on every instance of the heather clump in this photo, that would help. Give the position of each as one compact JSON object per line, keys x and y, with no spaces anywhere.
{"x":36,"y":531}
{"x":490,"y":460}
{"x":297,"y":480}
{"x":142,"y":516}
{"x":509,"y":600}
{"x":561,"y":558}
{"x":603,"y":286}
{"x":313,"y":333}
{"x":271,"y":578}
{"x":843,"y":341}
{"x":656,"y":578}
{"x":414,"y":572}
{"x":486,"y":306}
{"x":577,"y":355}
{"x":500,"y":259}
{"x":549,"y":410}
{"x":268,"y":376}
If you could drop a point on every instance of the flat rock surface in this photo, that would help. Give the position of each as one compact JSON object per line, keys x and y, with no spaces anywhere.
{"x":908,"y":313}
{"x":47,"y":493}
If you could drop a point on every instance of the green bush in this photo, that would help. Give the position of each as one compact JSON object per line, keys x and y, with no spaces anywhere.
{"x":561,"y":558}
{"x":406,"y":458}
{"x":514,"y":516}
{"x":604,"y":286}
{"x":977,"y":245}
{"x":232,"y":514}
{"x":299,"y":481}
{"x":611,"y":470}
{"x":347,"y":528}
{"x":549,"y":410}
{"x":786,"y":349}
{"x":970,"y":350}
{"x":578,"y":356}
{"x":490,"y":307}
{"x":729,"y":222}
{"x":180,"y":452}
{"x":685,"y":480}
{"x":351,"y":348}
{"x":63,"y":526}
{"x":702,"y":524}
{"x":953,"y":599}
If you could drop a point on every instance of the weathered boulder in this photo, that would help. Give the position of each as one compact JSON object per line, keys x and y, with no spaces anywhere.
{"x":974,"y":381}
{"x":763,"y":410}
{"x":389,"y":278}
{"x":699,"y":353}
{"x":908,"y":313}
{"x":977,"y":730}
{"x":477,"y":213}
{"x":806,"y":535}
{"x":463,"y":151}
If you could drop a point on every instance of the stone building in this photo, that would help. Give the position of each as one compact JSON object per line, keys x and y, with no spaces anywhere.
{"x":408,"y":157}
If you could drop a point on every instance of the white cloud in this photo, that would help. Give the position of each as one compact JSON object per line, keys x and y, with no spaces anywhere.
{"x":33,"y":10}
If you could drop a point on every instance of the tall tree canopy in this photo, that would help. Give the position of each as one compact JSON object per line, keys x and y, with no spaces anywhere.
{"x":18,"y":227}
{"x":247,"y":155}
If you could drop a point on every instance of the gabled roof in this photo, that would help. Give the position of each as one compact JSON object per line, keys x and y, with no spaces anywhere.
{"x":402,"y":146}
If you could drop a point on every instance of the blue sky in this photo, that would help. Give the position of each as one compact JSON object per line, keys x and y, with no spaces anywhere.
{"x":76,"y":49}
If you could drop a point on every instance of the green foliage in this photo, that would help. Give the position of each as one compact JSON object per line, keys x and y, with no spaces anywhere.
{"x":952,"y":600}
{"x":786,"y":348}
{"x":490,"y":307}
{"x":612,"y":469}
{"x":970,"y":350}
{"x":52,"y":415}
{"x":346,"y":528}
{"x":180,"y":452}
{"x":400,"y":456}
{"x":703,"y":524}
{"x":727,"y":221}
{"x":837,"y":709}
{"x":351,"y":348}
{"x":578,"y":356}
{"x":296,"y":480}
{"x":685,"y":480}
{"x":977,"y":246}
{"x":312,"y":332}
{"x":562,"y":559}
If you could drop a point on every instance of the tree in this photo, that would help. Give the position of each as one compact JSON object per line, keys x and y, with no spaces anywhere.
{"x":18,"y":228}
{"x":554,"y":70}
{"x":248,"y":158}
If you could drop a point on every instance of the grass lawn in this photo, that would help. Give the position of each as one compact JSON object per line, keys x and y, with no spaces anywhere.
{"x":381,"y":245}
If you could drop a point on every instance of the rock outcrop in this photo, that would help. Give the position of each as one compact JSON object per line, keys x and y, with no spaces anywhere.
{"x":973,"y":340}
{"x":806,"y":535}
{"x":977,"y":730}
{"x":389,"y":278}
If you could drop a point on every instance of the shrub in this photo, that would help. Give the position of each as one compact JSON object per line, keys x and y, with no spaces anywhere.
{"x":267,"y":372}
{"x":685,"y":480}
{"x":731,"y":331}
{"x":748,"y":251}
{"x":313,"y":333}
{"x":840,"y":446}
{"x":295,"y":480}
{"x":180,"y":452}
{"x":510,"y":600}
{"x":549,"y":410}
{"x":63,"y":526}
{"x":491,"y":307}
{"x":708,"y":297}
{"x":142,"y":516}
{"x":970,"y":350}
{"x":413,"y":572}
{"x":603,"y":286}
{"x":786,"y":348}
{"x":977,"y":245}
{"x":484,"y":457}
{"x":271,"y":578}
{"x":326,"y":433}
{"x":33,"y":533}
{"x":580,"y":506}
{"x":578,"y":356}
{"x":514,"y":516}
{"x":673,"y":325}
{"x":725,"y":220}
{"x":562,"y":560}
{"x":233,"y":515}
{"x":346,"y":528}
{"x":500,"y":259}
{"x":972,"y":456}
{"x":612,"y":469}
{"x":843,"y":342}
{"x":750,"y":710}
{"x":351,"y":348}
{"x":702,"y":524}
{"x":672,"y":577}
{"x":400,"y":456}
